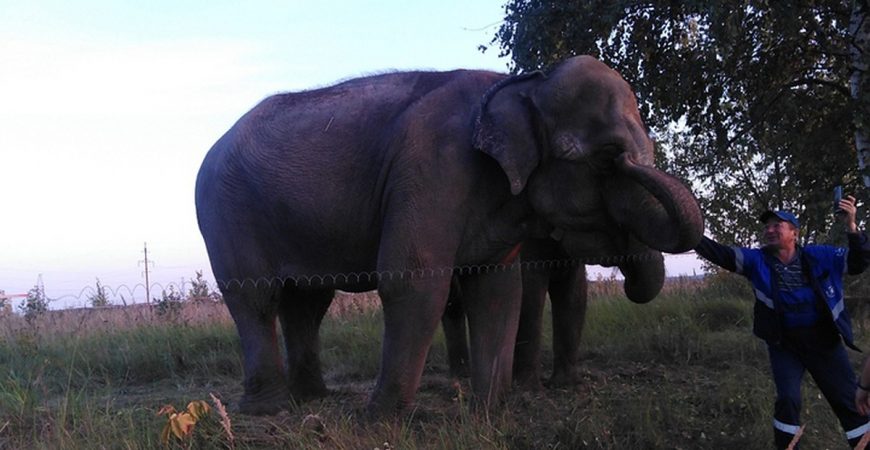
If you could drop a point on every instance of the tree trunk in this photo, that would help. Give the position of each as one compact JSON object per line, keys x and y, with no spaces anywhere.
{"x":859,"y":83}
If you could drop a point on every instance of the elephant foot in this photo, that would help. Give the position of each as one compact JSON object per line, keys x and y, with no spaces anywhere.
{"x":383,"y":406}
{"x":264,"y":396}
{"x":527,"y":380}
{"x":307,"y":392}
{"x":565,"y":377}
{"x":264,"y":404}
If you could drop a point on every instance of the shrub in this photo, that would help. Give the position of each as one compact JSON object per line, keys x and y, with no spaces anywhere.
{"x":35,"y":305}
{"x":201,"y":292}
{"x":99,"y":298}
{"x":169,"y":304}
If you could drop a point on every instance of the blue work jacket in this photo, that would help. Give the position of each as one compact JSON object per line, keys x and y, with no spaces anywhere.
{"x":825,"y":266}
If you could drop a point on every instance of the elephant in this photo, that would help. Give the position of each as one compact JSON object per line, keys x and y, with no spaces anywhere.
{"x":398,"y":181}
{"x":548,"y":269}
{"x":566,"y":284}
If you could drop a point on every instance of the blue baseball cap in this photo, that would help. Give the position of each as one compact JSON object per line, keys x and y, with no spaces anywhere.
{"x":784,"y":216}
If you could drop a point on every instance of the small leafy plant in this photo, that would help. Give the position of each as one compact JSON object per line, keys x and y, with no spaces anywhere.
{"x":181,"y":423}
{"x":100,"y":297}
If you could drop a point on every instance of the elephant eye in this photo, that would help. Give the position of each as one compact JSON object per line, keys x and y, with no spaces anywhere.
{"x":604,"y":157}
{"x":568,"y":147}
{"x":610,"y":151}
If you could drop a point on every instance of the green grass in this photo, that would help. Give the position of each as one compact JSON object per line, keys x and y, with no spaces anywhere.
{"x":683,"y":371}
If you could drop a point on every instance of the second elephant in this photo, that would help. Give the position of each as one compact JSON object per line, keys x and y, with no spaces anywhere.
{"x":547,"y":268}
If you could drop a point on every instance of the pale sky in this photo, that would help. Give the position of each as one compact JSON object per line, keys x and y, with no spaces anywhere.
{"x":108,"y":107}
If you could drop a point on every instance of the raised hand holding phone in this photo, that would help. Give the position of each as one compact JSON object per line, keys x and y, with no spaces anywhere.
{"x":847,"y":211}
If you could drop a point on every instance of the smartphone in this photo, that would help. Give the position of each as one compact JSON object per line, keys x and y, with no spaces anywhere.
{"x":838,"y":195}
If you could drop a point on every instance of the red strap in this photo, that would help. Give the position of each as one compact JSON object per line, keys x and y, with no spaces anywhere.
{"x":512,"y":255}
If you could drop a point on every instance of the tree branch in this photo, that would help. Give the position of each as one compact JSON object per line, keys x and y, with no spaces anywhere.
{"x":832,"y":84}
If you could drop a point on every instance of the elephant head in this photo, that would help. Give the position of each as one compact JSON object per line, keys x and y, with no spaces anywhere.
{"x":573,"y":142}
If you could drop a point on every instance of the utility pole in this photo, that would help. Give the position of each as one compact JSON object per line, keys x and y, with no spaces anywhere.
{"x":40,"y":286}
{"x":147,"y":281}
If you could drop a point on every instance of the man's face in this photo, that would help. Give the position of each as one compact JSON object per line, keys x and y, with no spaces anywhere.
{"x":779,"y":234}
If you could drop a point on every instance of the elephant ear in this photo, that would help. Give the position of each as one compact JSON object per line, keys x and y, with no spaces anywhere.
{"x":505,"y":129}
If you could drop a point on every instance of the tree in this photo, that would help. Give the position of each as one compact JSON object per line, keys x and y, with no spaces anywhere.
{"x":34,"y":305}
{"x":99,"y":298}
{"x":200,"y":291}
{"x":859,"y":82}
{"x":749,"y":100}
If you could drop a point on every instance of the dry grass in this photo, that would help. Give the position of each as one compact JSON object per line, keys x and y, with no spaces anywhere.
{"x":661,"y":375}
{"x":85,"y":321}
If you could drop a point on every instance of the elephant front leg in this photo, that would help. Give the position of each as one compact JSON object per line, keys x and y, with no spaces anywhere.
{"x":568,"y":296}
{"x":412,"y":311}
{"x":492,"y":302}
{"x":527,"y":353}
{"x":253,"y":311}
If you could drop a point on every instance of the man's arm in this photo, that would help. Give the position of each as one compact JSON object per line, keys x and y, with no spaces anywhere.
{"x":859,"y":248}
{"x":862,"y":401}
{"x":859,"y":253}
{"x":721,"y":255}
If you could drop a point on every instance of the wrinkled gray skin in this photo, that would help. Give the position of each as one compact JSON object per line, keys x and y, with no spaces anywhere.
{"x":403,"y":172}
{"x":547,"y":268}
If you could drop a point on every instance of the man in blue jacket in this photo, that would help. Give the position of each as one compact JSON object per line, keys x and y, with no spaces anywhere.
{"x":800,"y":314}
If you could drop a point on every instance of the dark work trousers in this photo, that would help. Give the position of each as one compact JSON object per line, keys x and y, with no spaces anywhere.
{"x":830,"y":368}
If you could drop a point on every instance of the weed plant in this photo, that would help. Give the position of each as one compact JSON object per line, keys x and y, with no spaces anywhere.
{"x":683,"y":371}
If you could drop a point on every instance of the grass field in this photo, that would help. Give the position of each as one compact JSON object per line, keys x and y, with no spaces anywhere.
{"x":683,"y":372}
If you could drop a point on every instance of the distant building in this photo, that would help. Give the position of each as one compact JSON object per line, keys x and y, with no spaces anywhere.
{"x":6,"y":302}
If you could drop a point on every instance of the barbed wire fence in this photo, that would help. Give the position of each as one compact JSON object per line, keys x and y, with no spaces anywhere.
{"x":202,"y":289}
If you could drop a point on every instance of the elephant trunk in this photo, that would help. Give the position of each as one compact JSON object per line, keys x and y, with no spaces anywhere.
{"x":654,"y":207}
{"x":643,"y":268}
{"x":644,"y":276}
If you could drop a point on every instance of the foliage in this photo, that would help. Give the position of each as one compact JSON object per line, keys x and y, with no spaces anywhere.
{"x":34,"y":305}
{"x":99,"y":298}
{"x":749,"y":99}
{"x":169,"y":304}
{"x":859,"y":50}
{"x":201,"y":292}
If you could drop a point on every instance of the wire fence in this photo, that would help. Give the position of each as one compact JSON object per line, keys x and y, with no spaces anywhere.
{"x":123,"y":294}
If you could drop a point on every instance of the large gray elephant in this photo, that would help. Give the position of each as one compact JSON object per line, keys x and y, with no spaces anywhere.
{"x":397,"y":181}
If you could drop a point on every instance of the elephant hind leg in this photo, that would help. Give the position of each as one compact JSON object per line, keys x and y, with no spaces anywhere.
{"x":455,"y":332}
{"x":301,"y":312}
{"x":253,"y":310}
